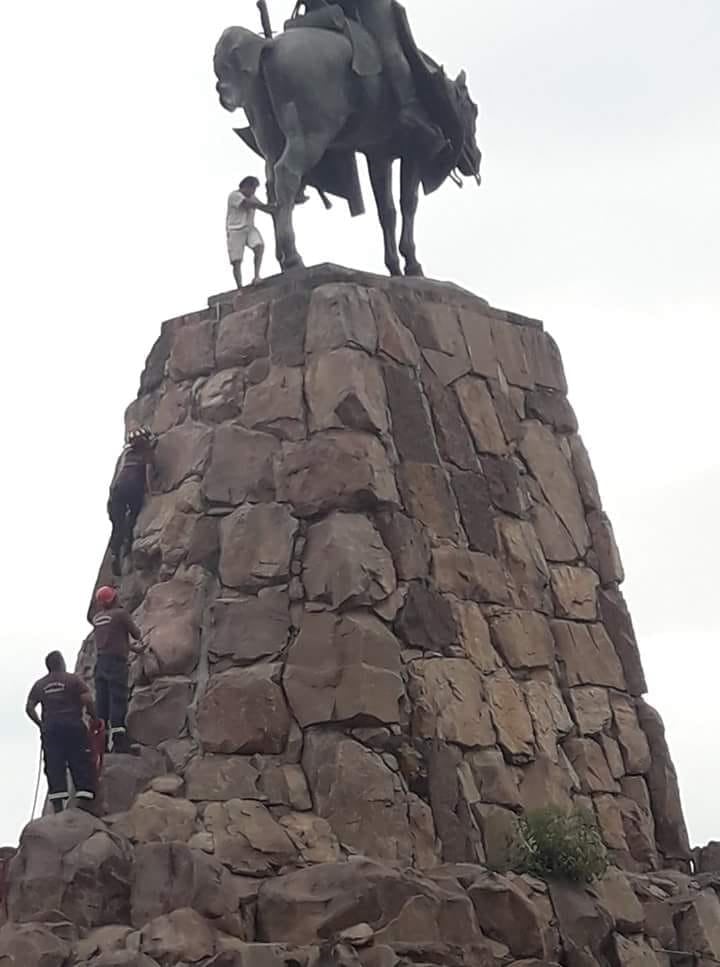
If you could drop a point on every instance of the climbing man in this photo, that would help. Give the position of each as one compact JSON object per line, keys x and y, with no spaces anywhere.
{"x":65,"y":739}
{"x":131,"y":481}
{"x":240,"y":226}
{"x":113,"y":629}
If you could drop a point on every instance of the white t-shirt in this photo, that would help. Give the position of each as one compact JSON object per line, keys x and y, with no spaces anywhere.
{"x":239,"y":214}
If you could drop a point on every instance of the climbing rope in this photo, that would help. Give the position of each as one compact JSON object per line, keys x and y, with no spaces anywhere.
{"x":37,"y":785}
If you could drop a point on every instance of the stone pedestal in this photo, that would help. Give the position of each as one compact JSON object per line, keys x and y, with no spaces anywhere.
{"x":382,"y":602}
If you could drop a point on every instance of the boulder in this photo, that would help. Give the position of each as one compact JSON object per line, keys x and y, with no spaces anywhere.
{"x":182,"y":935}
{"x":548,"y":711}
{"x":590,"y":707}
{"x":609,"y":564}
{"x":220,"y":397}
{"x":585,"y":925}
{"x":523,"y":638}
{"x":193,"y":350}
{"x":617,"y":898}
{"x":276,"y":404}
{"x":698,"y":925}
{"x":244,"y":711}
{"x":356,"y":792}
{"x":255,"y":546}
{"x":242,"y":336}
{"x":478,"y":331}
{"x":155,"y":818}
{"x":575,"y":592}
{"x":342,"y":669}
{"x":171,"y":876}
{"x":473,"y":635}
{"x":505,"y":914}
{"x":449,"y":703}
{"x":343,"y":314}
{"x":470,"y":575}
{"x":247,"y":838}
{"x":333,"y":470}
{"x":408,"y":542}
{"x":477,"y":513}
{"x":478,"y":409}
{"x":634,"y":952}
{"x":288,"y":319}
{"x":631,"y":738}
{"x":510,"y":716}
{"x":344,"y":388}
{"x":412,"y":427}
{"x":589,"y":762}
{"x":507,"y":484}
{"x":248,"y":629}
{"x":617,"y":621}
{"x":553,"y":409}
{"x":70,"y":865}
{"x":182,"y":452}
{"x":346,"y":563}
{"x":525,"y":564}
{"x":241,"y":466}
{"x":452,"y":434}
{"x":550,"y":468}
{"x":167,"y":526}
{"x":427,"y":497}
{"x":32,"y":945}
{"x":159,"y":713}
{"x":426,"y":620}
{"x":124,"y":777}
{"x":497,"y":782}
{"x":312,"y":837}
{"x":309,"y":905}
{"x":217,"y":778}
{"x":170,"y":619}
{"x":670,"y":829}
{"x":586,"y":655}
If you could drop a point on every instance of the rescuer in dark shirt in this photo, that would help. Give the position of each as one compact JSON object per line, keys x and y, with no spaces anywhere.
{"x":65,"y":739}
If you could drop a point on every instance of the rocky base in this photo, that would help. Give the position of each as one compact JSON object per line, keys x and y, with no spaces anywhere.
{"x":86,"y":893}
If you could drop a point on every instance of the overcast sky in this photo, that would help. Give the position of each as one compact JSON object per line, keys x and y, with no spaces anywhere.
{"x":599,"y":213}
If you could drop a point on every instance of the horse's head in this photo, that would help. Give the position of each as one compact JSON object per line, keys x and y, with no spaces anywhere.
{"x":236,"y":62}
{"x":470,"y":155}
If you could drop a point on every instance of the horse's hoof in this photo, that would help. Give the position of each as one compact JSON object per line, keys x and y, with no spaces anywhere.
{"x":414,"y":269}
{"x":293,"y":263}
{"x":394,"y":269}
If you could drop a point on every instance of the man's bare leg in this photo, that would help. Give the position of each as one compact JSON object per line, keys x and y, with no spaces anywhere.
{"x":237,"y":273}
{"x":258,"y":253}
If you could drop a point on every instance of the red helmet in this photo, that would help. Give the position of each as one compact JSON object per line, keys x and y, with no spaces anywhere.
{"x":106,"y":597}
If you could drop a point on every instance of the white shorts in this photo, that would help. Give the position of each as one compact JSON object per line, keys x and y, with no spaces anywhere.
{"x":239,"y":239}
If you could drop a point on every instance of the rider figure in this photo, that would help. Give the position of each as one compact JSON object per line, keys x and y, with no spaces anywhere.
{"x":379,"y":19}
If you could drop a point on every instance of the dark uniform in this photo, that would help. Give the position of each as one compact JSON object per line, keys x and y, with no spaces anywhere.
{"x":65,"y":739}
{"x":127,"y":494}
{"x":113,"y":629}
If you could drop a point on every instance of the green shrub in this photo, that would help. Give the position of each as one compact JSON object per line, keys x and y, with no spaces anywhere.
{"x":553,"y":843}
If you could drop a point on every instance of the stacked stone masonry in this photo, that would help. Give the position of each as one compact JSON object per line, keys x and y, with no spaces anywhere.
{"x":383,"y":609}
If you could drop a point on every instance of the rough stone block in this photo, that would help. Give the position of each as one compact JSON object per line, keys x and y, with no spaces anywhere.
{"x":248,"y":840}
{"x":193,"y":351}
{"x":344,"y":669}
{"x":525,"y":564}
{"x":473,"y":634}
{"x":242,"y":337}
{"x":479,"y":412}
{"x":476,"y":510}
{"x":221,"y":396}
{"x":428,"y":497}
{"x":412,"y":428}
{"x":244,"y":711}
{"x":523,"y":638}
{"x":407,"y":541}
{"x":550,"y":468}
{"x":276,"y":404}
{"x":452,"y":434}
{"x":586,"y":655}
{"x":249,"y":629}
{"x":342,"y":314}
{"x":337,"y":469}
{"x":346,"y":563}
{"x":182,"y":452}
{"x":344,"y":388}
{"x":241,"y":466}
{"x":511,"y":717}
{"x":471,"y":576}
{"x":256,"y":545}
{"x":158,"y":713}
{"x":288,"y":322}
{"x":449,"y":704}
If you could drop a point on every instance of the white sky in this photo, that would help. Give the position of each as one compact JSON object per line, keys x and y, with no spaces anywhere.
{"x":599,"y":213}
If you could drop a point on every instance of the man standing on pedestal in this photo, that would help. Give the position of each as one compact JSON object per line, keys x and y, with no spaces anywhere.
{"x":240,"y":226}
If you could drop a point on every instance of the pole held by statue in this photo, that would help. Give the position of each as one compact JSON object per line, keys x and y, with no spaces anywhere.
{"x":265,"y":18}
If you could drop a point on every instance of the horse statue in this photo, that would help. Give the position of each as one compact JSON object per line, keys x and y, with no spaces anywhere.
{"x":317,"y":94}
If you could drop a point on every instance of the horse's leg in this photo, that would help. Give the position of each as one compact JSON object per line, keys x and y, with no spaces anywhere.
{"x":409,"y":191}
{"x":380,"y":169}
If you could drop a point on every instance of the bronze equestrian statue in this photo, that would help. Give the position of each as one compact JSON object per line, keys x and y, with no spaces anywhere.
{"x":343,"y":78}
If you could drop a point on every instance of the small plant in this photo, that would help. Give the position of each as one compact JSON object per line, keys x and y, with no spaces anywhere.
{"x":554,"y":843}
